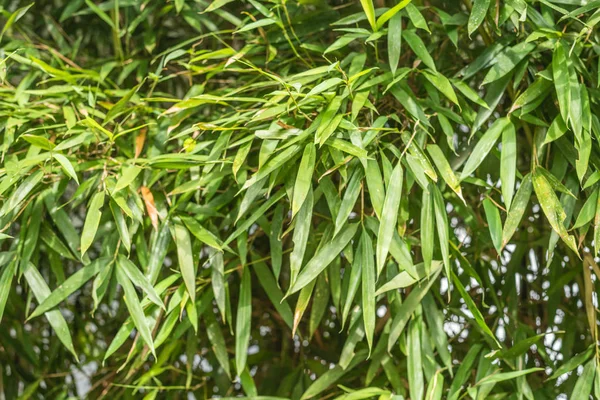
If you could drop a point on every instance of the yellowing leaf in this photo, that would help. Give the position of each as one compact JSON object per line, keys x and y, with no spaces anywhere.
{"x":552,"y":208}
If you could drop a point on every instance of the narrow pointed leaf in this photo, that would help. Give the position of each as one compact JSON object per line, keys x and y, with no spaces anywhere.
{"x":242,"y":324}
{"x":390,"y":217}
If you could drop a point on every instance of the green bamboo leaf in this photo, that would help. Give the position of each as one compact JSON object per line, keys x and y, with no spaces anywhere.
{"x":404,"y":95}
{"x":517,"y":209}
{"x":342,"y":42}
{"x":187,"y":266}
{"x":368,"y":286}
{"x":518,"y":348}
{"x":416,"y":17}
{"x":14,"y":17}
{"x":353,"y":283}
{"x":241,"y":156}
{"x":407,"y":309}
{"x":560,"y":76}
{"x":441,"y":83}
{"x":414,"y":359}
{"x":474,"y":310}
{"x":390,"y":217}
{"x":304,"y":178}
{"x":66,"y":165}
{"x":504,"y":376}
{"x":120,"y":106}
{"x":320,"y":88}
{"x":494,"y":94}
{"x":73,"y":283}
{"x":273,"y":292}
{"x":507,"y":61}
{"x":257,"y":24}
{"x":478,"y":13}
{"x":69,"y":116}
{"x":52,"y":240}
{"x":218,"y":281}
{"x":419,"y":156}
{"x":138,"y":279}
{"x":536,"y":92}
{"x":6,"y":277}
{"x":443,"y":226}
{"x":273,"y":164}
{"x":332,"y":376}
{"x":100,"y":284}
{"x":597,"y":229}
{"x":417,"y":45}
{"x":394,"y":37}
{"x":435,"y":388}
{"x":41,"y":291}
{"x":275,"y":245}
{"x":20,"y":193}
{"x":360,"y":99}
{"x":508,"y":164}
{"x":572,"y":363}
{"x":445,"y":169}
{"x":391,"y":13}
{"x":435,"y":321}
{"x":577,"y":96}
{"x":398,"y":247}
{"x":247,"y":147}
{"x":405,"y":279}
{"x":374,"y":183}
{"x":98,"y":11}
{"x":492,"y":215}
{"x":416,"y":170}
{"x":320,"y":299}
{"x":215,"y":5}
{"x":217,"y":341}
{"x":464,"y":371}
{"x":349,"y":199}
{"x":346,"y":147}
{"x":128,"y":175}
{"x":469,"y":93}
{"x":323,"y":258}
{"x":427,"y":229}
{"x":583,"y":386}
{"x":32,"y":233}
{"x":556,"y":130}
{"x":330,"y":120}
{"x":365,"y":393}
{"x":201,"y":233}
{"x":92,"y":221}
{"x":369,"y":10}
{"x":300,"y":236}
{"x":588,"y":211}
{"x":597,"y":381}
{"x":334,"y":276}
{"x":255,"y":215}
{"x":302,"y":303}
{"x":243,"y":321}
{"x":135,"y":309}
{"x":584,"y":150}
{"x":158,"y":251}
{"x":121,"y":225}
{"x":483,"y":147}
{"x":399,"y":77}
{"x":580,"y":10}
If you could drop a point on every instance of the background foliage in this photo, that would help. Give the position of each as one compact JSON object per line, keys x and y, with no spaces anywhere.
{"x":301,"y":199}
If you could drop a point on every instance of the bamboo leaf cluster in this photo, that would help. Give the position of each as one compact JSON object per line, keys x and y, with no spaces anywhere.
{"x":277,"y":199}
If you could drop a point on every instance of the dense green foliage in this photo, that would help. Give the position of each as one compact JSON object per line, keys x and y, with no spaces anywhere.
{"x":300,"y":199}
